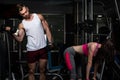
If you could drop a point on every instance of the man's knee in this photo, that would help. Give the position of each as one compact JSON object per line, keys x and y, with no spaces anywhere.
{"x":42,"y":70}
{"x":31,"y":71}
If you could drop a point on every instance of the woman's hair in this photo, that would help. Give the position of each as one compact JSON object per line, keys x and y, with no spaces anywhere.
{"x":106,"y":52}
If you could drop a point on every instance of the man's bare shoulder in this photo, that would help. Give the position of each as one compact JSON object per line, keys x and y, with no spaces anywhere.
{"x":40,"y":15}
{"x":20,"y":26}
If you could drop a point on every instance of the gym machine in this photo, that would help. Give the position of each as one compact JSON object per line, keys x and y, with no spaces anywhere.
{"x":89,"y":22}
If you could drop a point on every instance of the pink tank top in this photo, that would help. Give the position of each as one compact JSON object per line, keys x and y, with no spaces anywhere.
{"x":85,"y":49}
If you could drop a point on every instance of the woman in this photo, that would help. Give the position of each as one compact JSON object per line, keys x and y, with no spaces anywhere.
{"x":91,"y":50}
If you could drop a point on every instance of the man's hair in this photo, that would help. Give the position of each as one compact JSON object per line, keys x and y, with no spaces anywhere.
{"x":19,"y":7}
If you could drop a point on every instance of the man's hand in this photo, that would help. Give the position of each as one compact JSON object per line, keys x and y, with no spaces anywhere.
{"x":50,"y":46}
{"x":4,"y":28}
{"x":11,"y":29}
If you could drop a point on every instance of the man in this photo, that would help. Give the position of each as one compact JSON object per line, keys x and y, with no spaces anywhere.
{"x":35,"y":27}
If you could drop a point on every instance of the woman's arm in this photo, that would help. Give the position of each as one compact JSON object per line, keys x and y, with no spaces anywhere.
{"x":89,"y":65}
{"x":95,"y":71}
{"x":91,"y":49}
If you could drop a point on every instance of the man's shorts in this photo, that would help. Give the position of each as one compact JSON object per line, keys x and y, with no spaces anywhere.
{"x":33,"y":56}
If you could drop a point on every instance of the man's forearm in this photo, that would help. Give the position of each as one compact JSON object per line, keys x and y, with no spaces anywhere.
{"x":19,"y":36}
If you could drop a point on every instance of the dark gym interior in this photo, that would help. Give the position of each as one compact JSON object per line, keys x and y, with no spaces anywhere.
{"x":75,"y":22}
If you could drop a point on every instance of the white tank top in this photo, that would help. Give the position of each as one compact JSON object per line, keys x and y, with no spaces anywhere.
{"x":35,"y":33}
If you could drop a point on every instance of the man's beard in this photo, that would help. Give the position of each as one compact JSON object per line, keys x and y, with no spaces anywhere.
{"x":27,"y":17}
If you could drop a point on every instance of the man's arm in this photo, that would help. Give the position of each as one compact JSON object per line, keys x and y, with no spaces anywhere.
{"x":20,"y":33}
{"x":17,"y":33}
{"x":46,"y":28}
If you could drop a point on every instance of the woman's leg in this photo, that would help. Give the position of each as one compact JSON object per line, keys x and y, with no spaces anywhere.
{"x":70,"y":63}
{"x":79,"y":66}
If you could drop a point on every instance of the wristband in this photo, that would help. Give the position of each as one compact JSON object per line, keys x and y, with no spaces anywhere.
{"x":49,"y":43}
{"x":16,"y":33}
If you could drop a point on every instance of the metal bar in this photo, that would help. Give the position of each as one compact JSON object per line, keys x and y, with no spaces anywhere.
{"x":91,"y":37}
{"x":83,"y":10}
{"x":86,"y":37}
{"x":117,"y":9}
{"x":77,"y":17}
{"x":97,"y":28}
{"x":64,"y":30}
{"x":9,"y":60}
{"x":14,"y":42}
{"x":86,"y":10}
{"x":91,"y":10}
{"x":102,"y":70}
